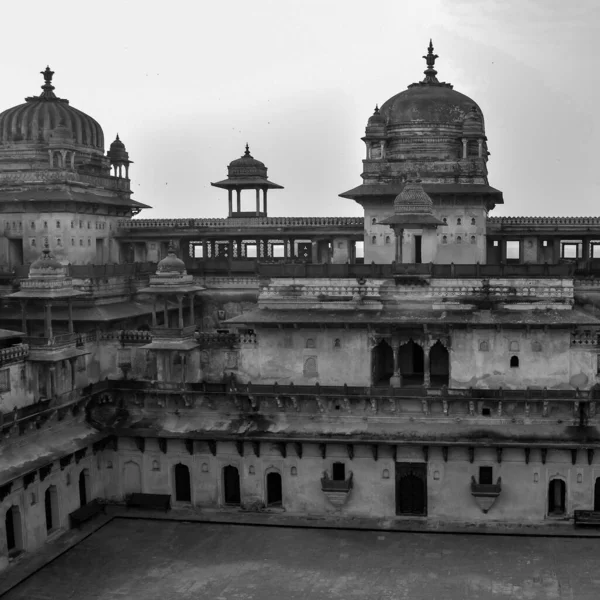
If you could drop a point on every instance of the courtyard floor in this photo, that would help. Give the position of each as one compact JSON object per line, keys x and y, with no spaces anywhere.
{"x":137,"y":559}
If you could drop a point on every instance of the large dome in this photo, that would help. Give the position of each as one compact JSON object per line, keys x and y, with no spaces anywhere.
{"x":35,"y":120}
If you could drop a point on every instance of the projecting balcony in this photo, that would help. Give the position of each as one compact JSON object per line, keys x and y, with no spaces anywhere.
{"x":485,"y":494}
{"x":336,"y":491}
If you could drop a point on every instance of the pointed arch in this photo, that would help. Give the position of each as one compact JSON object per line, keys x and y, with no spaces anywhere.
{"x":412,"y":363}
{"x":231,"y":485}
{"x":382,"y":361}
{"x":439,"y":365}
{"x":183,"y":484}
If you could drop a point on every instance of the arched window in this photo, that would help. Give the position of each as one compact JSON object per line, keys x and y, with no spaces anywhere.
{"x":459,"y":221}
{"x":514,"y":346}
{"x":183,"y":488}
{"x":373,"y":221}
{"x":374,"y":240}
{"x":484,"y":346}
{"x":231,"y":485}
{"x":310,"y":343}
{"x":337,"y":344}
{"x":458,"y":239}
{"x":514,"y":362}
{"x":14,"y":539}
{"x":445,"y":220}
{"x":387,"y":239}
{"x":444,"y":239}
{"x":556,"y":497}
{"x":310,"y":367}
{"x":473,"y":221}
{"x":473,"y":239}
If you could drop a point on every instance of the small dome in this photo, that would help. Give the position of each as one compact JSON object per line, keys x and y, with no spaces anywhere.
{"x":413,"y":199}
{"x":117,"y":152}
{"x":47,"y":266}
{"x":40,"y":116}
{"x":472,"y":124}
{"x":246,"y":166}
{"x":376,"y":118}
{"x":171,"y":264}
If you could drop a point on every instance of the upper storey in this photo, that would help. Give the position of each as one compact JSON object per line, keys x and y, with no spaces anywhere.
{"x":432,"y":130}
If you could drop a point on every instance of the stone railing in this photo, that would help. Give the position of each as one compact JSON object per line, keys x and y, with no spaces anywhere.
{"x":533,"y":221}
{"x":354,"y":222}
{"x":13,"y":354}
{"x":209,"y":339}
{"x":56,"y":341}
{"x":584,"y":338}
{"x":134,"y":337}
{"x":173,"y":332}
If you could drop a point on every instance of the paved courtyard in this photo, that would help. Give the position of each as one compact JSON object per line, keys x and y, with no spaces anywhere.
{"x":137,"y":559}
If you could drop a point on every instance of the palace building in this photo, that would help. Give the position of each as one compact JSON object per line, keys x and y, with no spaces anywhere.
{"x":427,"y":362}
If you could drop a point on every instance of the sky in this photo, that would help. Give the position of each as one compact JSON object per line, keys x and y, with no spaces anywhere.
{"x":187,"y":83}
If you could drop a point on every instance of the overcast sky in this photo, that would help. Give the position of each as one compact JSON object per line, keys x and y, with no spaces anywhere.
{"x":187,"y":83}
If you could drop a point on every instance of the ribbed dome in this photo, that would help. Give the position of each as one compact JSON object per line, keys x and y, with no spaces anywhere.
{"x":117,"y":152}
{"x":171,"y":264}
{"x":246,"y":166}
{"x":47,"y":266}
{"x":35,"y":120}
{"x":428,"y":101}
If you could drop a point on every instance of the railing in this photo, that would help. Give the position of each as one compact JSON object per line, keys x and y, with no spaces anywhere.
{"x":135,"y":337}
{"x":173,"y":332}
{"x":116,"y":270}
{"x":13,"y":354}
{"x":56,"y":341}
{"x":217,"y":340}
{"x":532,"y":221}
{"x":192,"y":223}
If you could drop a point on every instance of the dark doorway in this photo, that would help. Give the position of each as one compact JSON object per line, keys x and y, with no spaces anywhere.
{"x":556,"y":497}
{"x":51,"y":508}
{"x":597,"y":494}
{"x":383,"y":363}
{"x":274,"y":495}
{"x":231,"y":485}
{"x":12,"y":522}
{"x":411,"y":364}
{"x":439,"y":365}
{"x":183,"y":488}
{"x":411,"y":489}
{"x":83,"y":487}
{"x":418,"y":245}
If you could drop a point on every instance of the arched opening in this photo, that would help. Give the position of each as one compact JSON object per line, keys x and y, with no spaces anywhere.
{"x":439,"y":365}
{"x":274,"y":493}
{"x":383,"y":363}
{"x":556,"y":497}
{"x":12,"y":522}
{"x":597,"y":494}
{"x":412,"y":364}
{"x":132,"y":478}
{"x":183,"y":488}
{"x":514,"y":362}
{"x":51,"y":509}
{"x":83,"y":487}
{"x":231,"y":485}
{"x":411,"y":494}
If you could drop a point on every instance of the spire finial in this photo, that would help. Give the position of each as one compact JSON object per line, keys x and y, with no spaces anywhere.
{"x":47,"y":87}
{"x":171,"y":248}
{"x":118,"y":139}
{"x":247,"y":153}
{"x":430,"y":72}
{"x":376,"y":109}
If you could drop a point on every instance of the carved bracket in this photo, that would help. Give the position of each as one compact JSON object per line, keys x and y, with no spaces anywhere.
{"x":298,"y":448}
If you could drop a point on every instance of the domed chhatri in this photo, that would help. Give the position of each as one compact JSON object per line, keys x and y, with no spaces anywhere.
{"x":34,"y":121}
{"x":119,"y":157}
{"x":413,"y":208}
{"x":47,"y":266}
{"x":247,"y":173}
{"x":171,"y":265}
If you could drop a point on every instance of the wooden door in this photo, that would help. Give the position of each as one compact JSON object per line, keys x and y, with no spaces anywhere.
{"x":411,"y":489}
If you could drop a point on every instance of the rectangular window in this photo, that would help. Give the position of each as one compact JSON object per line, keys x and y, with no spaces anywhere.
{"x":513,"y":250}
{"x":198,"y":251}
{"x":250,"y":250}
{"x":495,"y":243}
{"x":595,"y":250}
{"x":570,"y":249}
{"x":486,"y":475}
{"x":545,"y":243}
{"x":278,"y":250}
{"x":338,"y":472}
{"x":5,"y":380}
{"x":359,"y":249}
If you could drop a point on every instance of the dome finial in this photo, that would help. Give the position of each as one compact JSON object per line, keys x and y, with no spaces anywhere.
{"x":430,"y":72}
{"x":47,"y":87}
{"x":118,"y":138}
{"x":247,"y":153}
{"x":376,"y":111}
{"x":171,"y":248}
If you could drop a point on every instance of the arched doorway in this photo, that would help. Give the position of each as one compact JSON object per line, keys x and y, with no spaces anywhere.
{"x":132,"y":478}
{"x":412,"y":364}
{"x":597,"y":494}
{"x":51,"y":509}
{"x":274,"y":494}
{"x":12,"y":523}
{"x":411,"y":490}
{"x":382,"y":363}
{"x":183,"y":488}
{"x":83,"y":487}
{"x":556,"y":497}
{"x":231,"y":485}
{"x":439,"y":365}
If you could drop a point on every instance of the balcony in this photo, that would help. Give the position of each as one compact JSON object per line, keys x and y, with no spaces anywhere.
{"x":485,"y":494}
{"x":56,"y":341}
{"x":336,"y":491}
{"x":173,"y":333}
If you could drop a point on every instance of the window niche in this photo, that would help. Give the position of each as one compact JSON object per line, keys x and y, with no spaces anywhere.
{"x":310,"y":343}
{"x":514,"y":362}
{"x":484,"y":346}
{"x":310,"y":367}
{"x":338,"y":471}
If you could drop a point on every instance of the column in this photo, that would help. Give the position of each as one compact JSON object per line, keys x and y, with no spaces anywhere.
{"x":480,"y":147}
{"x":48,"y":319}
{"x":166,"y":310}
{"x":257,"y":202}
{"x":192,"y":315}
{"x":70,"y":307}
{"x":396,"y":379}
{"x":230,"y":198}
{"x":239,"y":200}
{"x":503,"y":250}
{"x":556,"y":250}
{"x":265,"y":201}
{"x":154,"y":320}
{"x":180,"y":311}
{"x":585,"y":250}
{"x":382,"y":149}
{"x":52,"y":374}
{"x":426,"y":365}
{"x":464,"y":143}
{"x":23,"y":317}
{"x":72,"y":362}
{"x":399,"y":235}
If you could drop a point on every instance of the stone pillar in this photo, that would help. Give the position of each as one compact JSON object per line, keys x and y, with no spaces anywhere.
{"x":257,"y":202}
{"x":230,"y":198}
{"x":426,"y":365}
{"x":315,"y":251}
{"x":180,"y":310}
{"x":48,"y":319}
{"x":464,"y":144}
{"x":382,"y":149}
{"x":556,"y":250}
{"x":399,"y":239}
{"x":192,"y":314}
{"x":72,"y":363}
{"x":24,"y":317}
{"x":239,"y":200}
{"x":154,"y":320}
{"x":396,"y":379}
{"x":503,"y":250}
{"x":585,"y":249}
{"x":52,"y":381}
{"x":265,"y":201}
{"x":166,"y":310}
{"x":480,"y":147}
{"x":70,"y":307}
